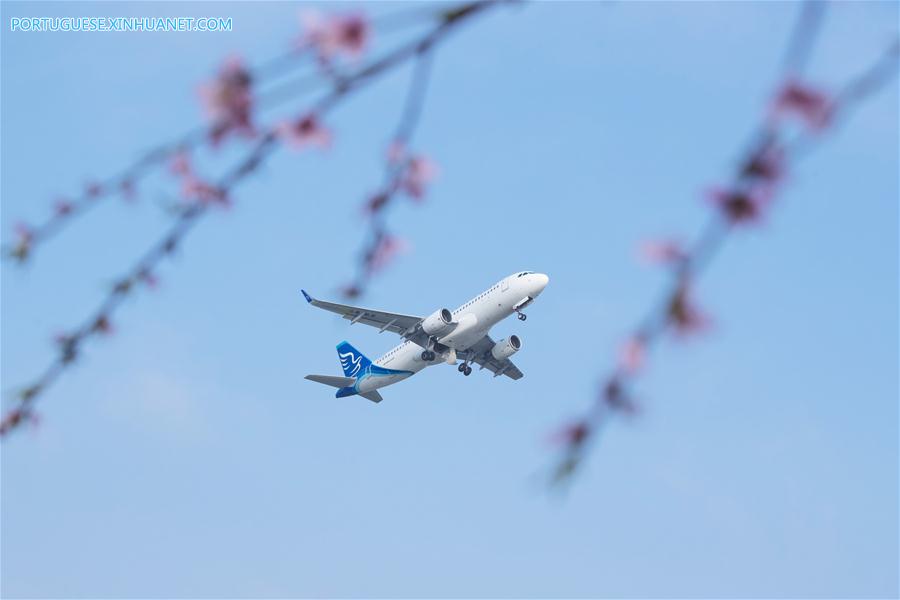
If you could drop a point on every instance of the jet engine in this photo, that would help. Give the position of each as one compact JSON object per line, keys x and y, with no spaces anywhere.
{"x":438,"y":323}
{"x":506,"y":347}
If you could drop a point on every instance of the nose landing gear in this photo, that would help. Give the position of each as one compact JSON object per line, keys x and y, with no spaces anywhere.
{"x":522,"y":316}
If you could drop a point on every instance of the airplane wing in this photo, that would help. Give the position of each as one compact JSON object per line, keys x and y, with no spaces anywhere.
{"x":481,"y":354}
{"x":406,"y":326}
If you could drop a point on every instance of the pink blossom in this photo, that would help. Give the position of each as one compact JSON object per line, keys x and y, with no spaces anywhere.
{"x":330,"y":36}
{"x":148,"y":278}
{"x":383,"y":253}
{"x":16,"y":417}
{"x":102,"y":325}
{"x":663,"y":252}
{"x":229,"y":101}
{"x":351,"y":291}
{"x":377,"y":202}
{"x":573,"y":434}
{"x":24,"y":238}
{"x":11,"y":420}
{"x":93,"y":189}
{"x":62,"y":207}
{"x":632,"y":355}
{"x":811,"y":105}
{"x":306,"y":131}
{"x":766,"y":164}
{"x":419,"y":172}
{"x":24,"y":233}
{"x":683,"y":315}
{"x":742,"y":207}
{"x":200,"y":191}
{"x":180,"y":164}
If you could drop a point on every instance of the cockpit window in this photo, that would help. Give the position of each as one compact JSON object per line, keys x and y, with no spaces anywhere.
{"x":524,"y":273}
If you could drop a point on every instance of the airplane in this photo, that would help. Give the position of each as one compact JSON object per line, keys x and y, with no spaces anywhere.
{"x":460,"y":334}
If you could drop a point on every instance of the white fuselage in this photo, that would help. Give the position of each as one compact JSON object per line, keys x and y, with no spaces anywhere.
{"x":473,"y":321}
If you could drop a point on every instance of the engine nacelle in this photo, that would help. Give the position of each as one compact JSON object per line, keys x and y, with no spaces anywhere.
{"x":438,"y":323}
{"x":506,"y":347}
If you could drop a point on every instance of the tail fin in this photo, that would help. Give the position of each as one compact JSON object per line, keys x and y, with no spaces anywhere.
{"x":353,"y":361}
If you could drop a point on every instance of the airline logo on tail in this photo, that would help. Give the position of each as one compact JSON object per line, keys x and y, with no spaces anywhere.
{"x":351,"y":363}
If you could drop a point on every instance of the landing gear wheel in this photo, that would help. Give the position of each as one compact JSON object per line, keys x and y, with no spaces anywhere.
{"x":461,"y":368}
{"x":467,"y":371}
{"x":522,"y":316}
{"x":427,"y":355}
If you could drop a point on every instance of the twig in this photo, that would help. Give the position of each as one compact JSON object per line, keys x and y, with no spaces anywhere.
{"x":400,"y":165}
{"x":752,"y":188}
{"x":99,"y":321}
{"x":125,"y":182}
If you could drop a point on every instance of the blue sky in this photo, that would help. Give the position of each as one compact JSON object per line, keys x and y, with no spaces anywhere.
{"x":186,"y":456}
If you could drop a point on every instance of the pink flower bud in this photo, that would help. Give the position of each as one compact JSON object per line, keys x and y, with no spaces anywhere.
{"x":351,"y":291}
{"x":330,"y":36}
{"x":180,"y":164}
{"x":62,"y":208}
{"x":197,"y":190}
{"x":377,"y":202}
{"x":741,"y":207}
{"x":814,"y":107}
{"x":305,"y":131}
{"x":683,"y":315}
{"x":93,"y":190}
{"x":632,"y":355}
{"x":420,"y":171}
{"x":573,"y":434}
{"x":102,"y":325}
{"x":385,"y":250}
{"x":663,"y":252}
{"x":229,"y":101}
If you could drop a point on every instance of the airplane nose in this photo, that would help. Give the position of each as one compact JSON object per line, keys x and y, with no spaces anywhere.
{"x":541,"y":280}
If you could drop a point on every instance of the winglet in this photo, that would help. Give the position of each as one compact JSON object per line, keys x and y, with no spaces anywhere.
{"x":307,"y":296}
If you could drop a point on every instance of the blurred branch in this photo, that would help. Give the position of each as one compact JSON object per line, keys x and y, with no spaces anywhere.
{"x":803,"y":37}
{"x":758,"y":178}
{"x":404,"y":172}
{"x":206,"y":196}
{"x":124,"y":183}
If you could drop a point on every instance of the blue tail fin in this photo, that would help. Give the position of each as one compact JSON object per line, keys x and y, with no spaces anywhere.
{"x":353,"y":361}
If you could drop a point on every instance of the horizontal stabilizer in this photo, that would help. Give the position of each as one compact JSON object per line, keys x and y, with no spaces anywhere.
{"x":338,"y":382}
{"x":374,"y":396}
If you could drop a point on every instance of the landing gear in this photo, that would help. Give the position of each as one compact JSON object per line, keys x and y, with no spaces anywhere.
{"x":427,"y":355}
{"x":465,"y":369}
{"x":522,"y":316}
